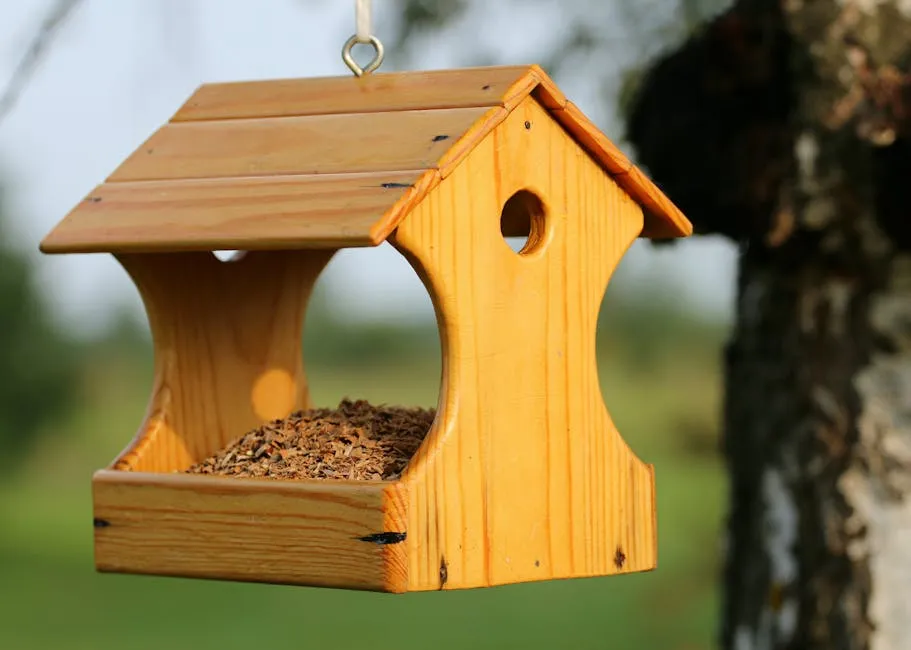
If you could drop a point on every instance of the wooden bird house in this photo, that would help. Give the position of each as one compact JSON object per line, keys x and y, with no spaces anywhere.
{"x":522,"y":475}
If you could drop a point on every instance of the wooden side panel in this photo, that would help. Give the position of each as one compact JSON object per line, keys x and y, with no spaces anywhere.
{"x":321,"y":144}
{"x":525,"y":476}
{"x":375,"y":93}
{"x":325,"y":211}
{"x":227,"y":349}
{"x":305,"y":533}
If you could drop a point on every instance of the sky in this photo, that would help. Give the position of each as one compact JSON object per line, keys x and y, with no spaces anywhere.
{"x":119,"y":69}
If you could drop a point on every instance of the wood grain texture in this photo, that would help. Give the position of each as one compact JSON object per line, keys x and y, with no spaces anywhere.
{"x":321,"y":144}
{"x":228,"y":358}
{"x":662,"y":218}
{"x":470,"y":139}
{"x":260,"y":209}
{"x":302,"y":533}
{"x":524,"y":476}
{"x":545,"y":90}
{"x":227,"y":340}
{"x":275,"y":212}
{"x":381,"y":92}
{"x":375,"y":93}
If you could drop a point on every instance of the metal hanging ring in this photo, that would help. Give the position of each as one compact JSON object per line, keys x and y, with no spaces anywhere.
{"x":351,"y":63}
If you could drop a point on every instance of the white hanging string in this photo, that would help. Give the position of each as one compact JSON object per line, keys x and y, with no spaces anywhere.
{"x":363,"y":19}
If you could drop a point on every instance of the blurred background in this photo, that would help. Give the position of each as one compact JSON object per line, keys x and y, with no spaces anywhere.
{"x":75,"y":355}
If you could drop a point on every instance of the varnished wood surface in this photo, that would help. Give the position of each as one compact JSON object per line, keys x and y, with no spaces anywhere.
{"x":401,"y":122}
{"x":375,"y":93}
{"x":260,"y":213}
{"x":227,"y":339}
{"x":228,"y":358}
{"x":524,"y":477}
{"x":502,"y":86}
{"x":663,"y":219}
{"x":302,"y":533}
{"x":321,"y":144}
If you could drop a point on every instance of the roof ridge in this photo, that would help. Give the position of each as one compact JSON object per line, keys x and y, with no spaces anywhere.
{"x":246,"y":181}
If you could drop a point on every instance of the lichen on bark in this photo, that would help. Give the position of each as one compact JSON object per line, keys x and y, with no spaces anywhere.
{"x":785,"y":126}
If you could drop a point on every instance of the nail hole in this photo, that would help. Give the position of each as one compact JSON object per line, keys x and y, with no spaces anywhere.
{"x":527,"y":124}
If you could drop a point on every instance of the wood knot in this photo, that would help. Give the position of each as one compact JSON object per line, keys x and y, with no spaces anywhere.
{"x":444,"y":571}
{"x":619,"y":558}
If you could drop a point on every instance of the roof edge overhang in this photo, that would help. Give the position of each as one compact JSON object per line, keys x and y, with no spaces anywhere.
{"x":663,"y":219}
{"x":101,"y":223}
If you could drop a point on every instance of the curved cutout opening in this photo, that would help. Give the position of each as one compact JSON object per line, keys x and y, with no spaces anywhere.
{"x":228,"y":256}
{"x":657,"y":363}
{"x":623,"y":351}
{"x":523,"y":222}
{"x":373,"y":360}
{"x":371,"y":356}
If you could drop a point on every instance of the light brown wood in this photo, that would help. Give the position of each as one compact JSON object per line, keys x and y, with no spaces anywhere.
{"x":470,"y":139}
{"x":321,"y":144}
{"x":379,"y":92}
{"x":272,"y":212}
{"x":227,"y":339}
{"x":545,"y":90}
{"x":662,"y":218}
{"x":302,"y":533}
{"x":255,"y":151}
{"x":592,"y":140}
{"x":671,"y":224}
{"x":524,"y":476}
{"x":228,"y":358}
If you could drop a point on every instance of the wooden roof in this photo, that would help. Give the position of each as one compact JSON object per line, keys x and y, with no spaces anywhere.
{"x":333,"y":161}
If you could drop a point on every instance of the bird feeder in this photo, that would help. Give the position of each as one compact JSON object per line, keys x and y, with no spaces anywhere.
{"x":522,"y":476}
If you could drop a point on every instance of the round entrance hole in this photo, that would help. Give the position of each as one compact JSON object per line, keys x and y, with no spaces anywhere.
{"x":523,"y":222}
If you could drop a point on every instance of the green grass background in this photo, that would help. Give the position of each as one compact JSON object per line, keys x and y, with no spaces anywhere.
{"x":664,"y":398}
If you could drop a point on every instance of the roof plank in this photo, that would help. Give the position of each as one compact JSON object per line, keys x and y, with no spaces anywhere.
{"x":282,"y":163}
{"x":240,"y":213}
{"x":546,"y":91}
{"x":662,"y":218}
{"x":320,"y":144}
{"x":374,"y":93}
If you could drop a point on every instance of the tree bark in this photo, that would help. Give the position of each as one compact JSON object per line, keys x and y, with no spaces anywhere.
{"x":784,"y":125}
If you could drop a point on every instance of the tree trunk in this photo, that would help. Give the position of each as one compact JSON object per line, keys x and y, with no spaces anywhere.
{"x":785,"y":126}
